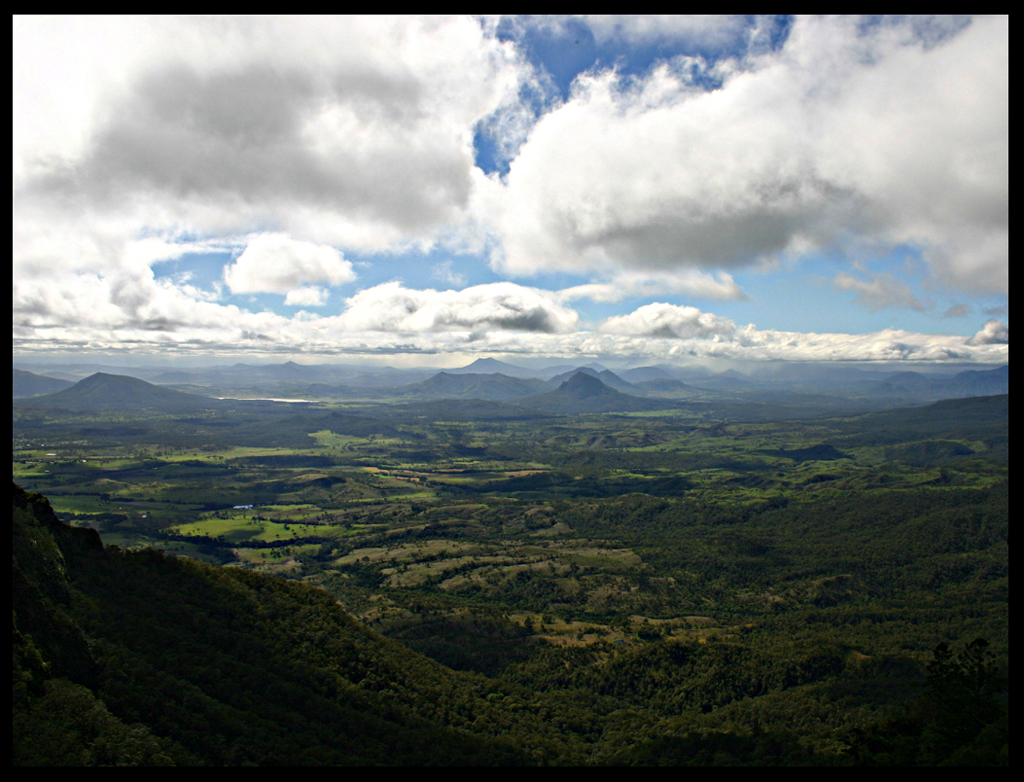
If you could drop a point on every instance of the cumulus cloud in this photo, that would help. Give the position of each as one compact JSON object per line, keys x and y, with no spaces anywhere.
{"x":843,"y":138}
{"x":671,"y":332}
{"x":284,"y":140}
{"x":354,"y":130}
{"x":887,"y":345}
{"x":97,"y":309}
{"x":276,"y":263}
{"x":500,"y":305}
{"x":995,"y":332}
{"x":671,"y":320}
{"x":881,"y":292}
{"x":306,"y":296}
{"x":161,"y":318}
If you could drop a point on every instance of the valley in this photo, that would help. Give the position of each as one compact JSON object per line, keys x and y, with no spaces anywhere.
{"x":566,"y":540}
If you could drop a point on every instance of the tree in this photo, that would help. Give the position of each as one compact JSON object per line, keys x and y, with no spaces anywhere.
{"x":959,"y":720}
{"x":962,"y":698}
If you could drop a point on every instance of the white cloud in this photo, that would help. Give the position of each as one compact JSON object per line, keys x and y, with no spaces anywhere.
{"x":91,"y":308}
{"x":995,"y":332}
{"x":137,"y":140}
{"x":500,"y":305}
{"x":276,"y":263}
{"x":158,"y":317}
{"x":886,"y":345}
{"x":343,"y":130}
{"x":306,"y":296}
{"x":844,"y":138}
{"x":671,"y":320}
{"x":676,"y":332}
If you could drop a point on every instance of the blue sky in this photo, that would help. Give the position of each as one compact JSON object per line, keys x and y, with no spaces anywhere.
{"x":431,"y":190}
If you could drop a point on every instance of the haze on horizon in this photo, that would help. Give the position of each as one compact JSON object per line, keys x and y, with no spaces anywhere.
{"x":431,"y":190}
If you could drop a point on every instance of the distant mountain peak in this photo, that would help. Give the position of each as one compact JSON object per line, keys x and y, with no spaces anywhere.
{"x":103,"y":391}
{"x":491,"y":365}
{"x":583,"y":385}
{"x":582,"y":392}
{"x":482,"y":363}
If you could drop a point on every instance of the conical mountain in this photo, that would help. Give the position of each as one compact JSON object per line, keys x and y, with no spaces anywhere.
{"x":606,"y":376}
{"x":584,"y":393}
{"x":102,"y":392}
{"x":557,"y":380}
{"x":584,"y":386}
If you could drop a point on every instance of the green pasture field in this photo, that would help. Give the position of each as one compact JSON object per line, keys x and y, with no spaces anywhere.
{"x":239,"y":529}
{"x":264,"y":556}
{"x":235,"y":452}
{"x":90,"y":504}
{"x":287,"y":512}
{"x":329,"y":440}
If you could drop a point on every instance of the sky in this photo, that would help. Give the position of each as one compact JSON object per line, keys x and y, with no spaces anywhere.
{"x":431,"y":190}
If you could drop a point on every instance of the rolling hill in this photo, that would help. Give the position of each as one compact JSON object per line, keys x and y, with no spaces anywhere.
{"x":31,"y":384}
{"x":974,"y":418}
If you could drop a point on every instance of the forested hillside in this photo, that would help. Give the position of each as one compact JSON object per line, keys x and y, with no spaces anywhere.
{"x":135,"y":657}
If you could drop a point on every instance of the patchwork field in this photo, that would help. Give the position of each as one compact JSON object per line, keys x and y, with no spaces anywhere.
{"x":505,"y":514}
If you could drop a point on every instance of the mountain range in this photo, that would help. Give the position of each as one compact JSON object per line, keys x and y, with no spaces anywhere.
{"x":821,"y":388}
{"x":962,"y":385}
